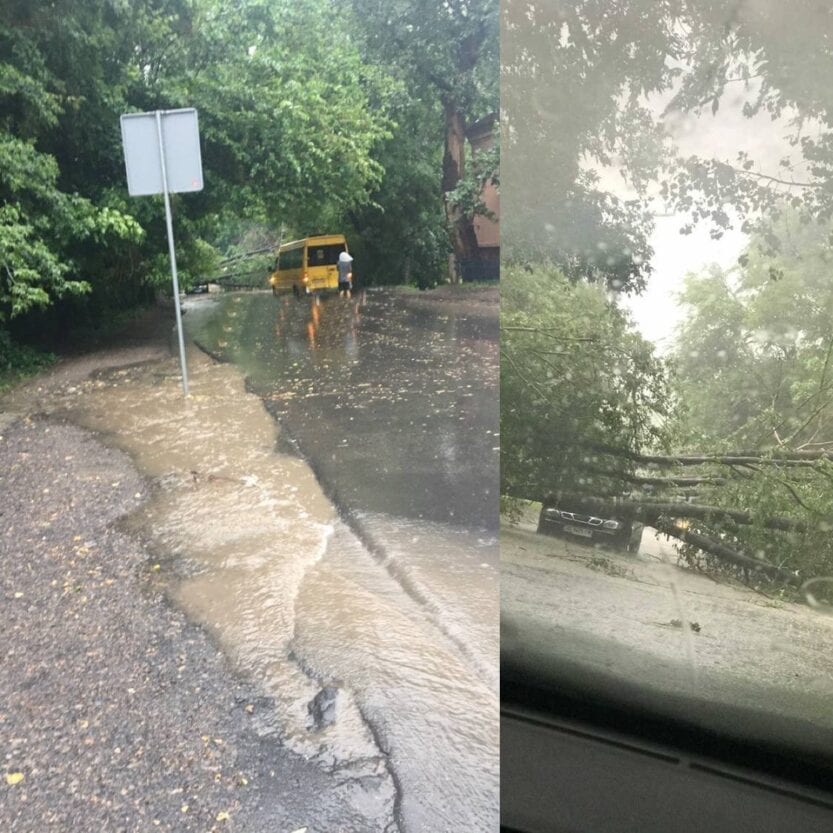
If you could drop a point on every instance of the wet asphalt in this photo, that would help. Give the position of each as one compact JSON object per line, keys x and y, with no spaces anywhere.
{"x":394,"y":400}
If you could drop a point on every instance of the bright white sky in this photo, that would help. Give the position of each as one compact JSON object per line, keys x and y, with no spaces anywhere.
{"x":656,"y":312}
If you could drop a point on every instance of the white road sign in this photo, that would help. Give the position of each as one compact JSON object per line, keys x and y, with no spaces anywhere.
{"x":181,"y":140}
{"x":162,"y":156}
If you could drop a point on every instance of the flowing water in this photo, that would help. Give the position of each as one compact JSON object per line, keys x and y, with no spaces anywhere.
{"x":345,"y":550}
{"x":394,"y":406}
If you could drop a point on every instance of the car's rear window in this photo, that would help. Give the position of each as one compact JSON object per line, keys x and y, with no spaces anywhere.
{"x":324,"y":255}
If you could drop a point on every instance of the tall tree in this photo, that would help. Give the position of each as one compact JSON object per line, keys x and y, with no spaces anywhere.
{"x":575,"y":74}
{"x":754,"y":357}
{"x":762,"y":58}
{"x":400,"y":235}
{"x":754,"y":374}
{"x":587,"y":87}
{"x":46,"y":225}
{"x":581,"y":390}
{"x":447,"y":53}
{"x":289,"y":127}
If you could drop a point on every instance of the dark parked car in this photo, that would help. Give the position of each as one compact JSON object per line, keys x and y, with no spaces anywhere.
{"x":617,"y":532}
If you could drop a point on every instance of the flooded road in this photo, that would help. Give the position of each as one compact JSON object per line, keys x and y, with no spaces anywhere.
{"x":392,"y":398}
{"x":394,"y":604}
{"x":341,"y":550}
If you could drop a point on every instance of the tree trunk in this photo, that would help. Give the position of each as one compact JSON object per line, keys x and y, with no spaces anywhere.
{"x":732,"y":556}
{"x":650,"y":511}
{"x":657,"y":516}
{"x":641,"y":480}
{"x":737,"y":458}
{"x":461,"y":227}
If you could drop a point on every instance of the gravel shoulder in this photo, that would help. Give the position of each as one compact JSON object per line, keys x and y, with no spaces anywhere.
{"x":116,"y":713}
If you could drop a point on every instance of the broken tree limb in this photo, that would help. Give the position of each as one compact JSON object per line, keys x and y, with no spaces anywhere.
{"x":726,"y":553}
{"x":740,"y":458}
{"x":650,"y":511}
{"x":645,"y":480}
{"x":664,"y":517}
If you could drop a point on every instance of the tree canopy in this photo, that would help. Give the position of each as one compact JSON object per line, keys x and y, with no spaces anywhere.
{"x":447,"y":56}
{"x":577,"y":383}
{"x":309,"y":120}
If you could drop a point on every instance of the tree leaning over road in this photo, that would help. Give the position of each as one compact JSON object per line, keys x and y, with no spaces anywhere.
{"x":293,"y":118}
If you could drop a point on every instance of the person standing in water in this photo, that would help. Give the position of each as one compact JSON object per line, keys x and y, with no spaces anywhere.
{"x":345,"y":275}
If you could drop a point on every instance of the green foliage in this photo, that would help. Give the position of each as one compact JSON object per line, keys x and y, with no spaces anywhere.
{"x":483,"y":170}
{"x":445,"y":60}
{"x":400,"y":236}
{"x":574,"y":79}
{"x":755,"y":370}
{"x":765,"y":59}
{"x":17,"y":362}
{"x":290,"y":112}
{"x":316,"y":117}
{"x":292,"y":117}
{"x":755,"y":354}
{"x":43,"y":228}
{"x":445,"y":51}
{"x":512,"y":509}
{"x":578,"y":82}
{"x":575,"y":377}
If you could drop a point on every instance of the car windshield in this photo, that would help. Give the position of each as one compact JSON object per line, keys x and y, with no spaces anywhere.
{"x":667,"y":355}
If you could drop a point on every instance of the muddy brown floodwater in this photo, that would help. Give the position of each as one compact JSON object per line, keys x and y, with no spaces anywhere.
{"x":392,"y":399}
{"x":378,"y":640}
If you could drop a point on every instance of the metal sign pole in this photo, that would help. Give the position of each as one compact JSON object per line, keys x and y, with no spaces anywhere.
{"x":169,"y":222}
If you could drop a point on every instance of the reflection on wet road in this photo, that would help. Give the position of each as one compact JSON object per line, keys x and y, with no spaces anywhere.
{"x":393,"y":401}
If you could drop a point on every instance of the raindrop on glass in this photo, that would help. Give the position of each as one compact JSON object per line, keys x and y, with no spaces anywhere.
{"x":819,"y":594}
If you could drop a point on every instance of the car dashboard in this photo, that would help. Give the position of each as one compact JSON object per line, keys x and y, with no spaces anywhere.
{"x":583,"y":754}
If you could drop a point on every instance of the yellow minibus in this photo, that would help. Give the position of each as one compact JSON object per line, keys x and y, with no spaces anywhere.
{"x":308,"y":265}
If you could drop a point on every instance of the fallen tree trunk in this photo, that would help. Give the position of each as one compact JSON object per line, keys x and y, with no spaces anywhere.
{"x":645,"y":480}
{"x":661,"y":516}
{"x":725,"y":553}
{"x":739,"y":458}
{"x":650,"y":511}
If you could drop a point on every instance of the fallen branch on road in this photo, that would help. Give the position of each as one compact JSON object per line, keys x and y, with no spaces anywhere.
{"x":726,"y":553}
{"x":782,"y":457}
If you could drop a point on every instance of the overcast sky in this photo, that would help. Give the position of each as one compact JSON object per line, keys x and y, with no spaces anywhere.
{"x":720,"y":136}
{"x":656,"y":312}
